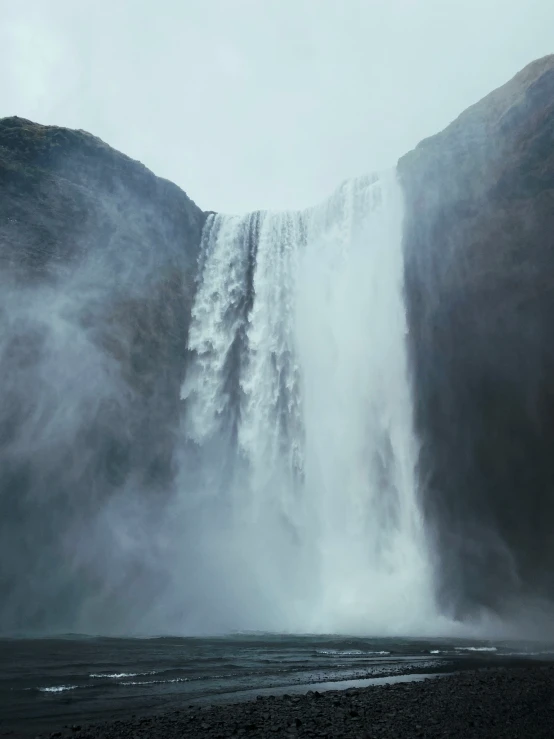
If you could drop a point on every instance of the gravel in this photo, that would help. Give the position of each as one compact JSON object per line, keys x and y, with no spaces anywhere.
{"x":487,"y":703}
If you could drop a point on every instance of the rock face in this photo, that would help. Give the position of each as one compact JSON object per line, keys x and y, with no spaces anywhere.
{"x":479,"y":247}
{"x":97,"y":261}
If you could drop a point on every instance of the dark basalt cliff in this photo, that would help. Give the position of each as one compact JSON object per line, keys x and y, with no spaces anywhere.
{"x":97,"y":262}
{"x":479,"y":246}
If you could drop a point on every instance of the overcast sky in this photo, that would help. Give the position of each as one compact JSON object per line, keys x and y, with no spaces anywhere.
{"x":262,"y":103}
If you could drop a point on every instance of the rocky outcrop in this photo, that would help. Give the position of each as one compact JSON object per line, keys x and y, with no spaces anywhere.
{"x":97,"y":262}
{"x":479,"y":246}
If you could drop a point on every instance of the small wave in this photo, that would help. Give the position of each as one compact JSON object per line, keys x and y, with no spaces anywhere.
{"x":347,"y":652}
{"x":435,"y":651}
{"x":57,"y":688}
{"x":156,"y":682}
{"x":475,"y":649}
{"x":549,"y":652}
{"x":119,"y":675}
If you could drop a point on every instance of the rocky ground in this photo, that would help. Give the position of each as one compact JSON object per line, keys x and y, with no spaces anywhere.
{"x":488,"y":703}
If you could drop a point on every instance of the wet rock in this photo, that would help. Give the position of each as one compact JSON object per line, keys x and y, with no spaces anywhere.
{"x":479,"y":266}
{"x":495,"y":703}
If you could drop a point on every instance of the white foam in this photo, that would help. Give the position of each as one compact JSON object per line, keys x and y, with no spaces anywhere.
{"x":156,"y":682}
{"x":547,"y":652}
{"x":348,"y":652}
{"x":118,"y":675}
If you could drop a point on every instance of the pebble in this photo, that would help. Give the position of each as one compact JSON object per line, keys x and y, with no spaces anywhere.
{"x":487,"y":704}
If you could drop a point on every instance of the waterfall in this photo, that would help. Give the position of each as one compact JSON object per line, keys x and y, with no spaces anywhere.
{"x":298,"y":482}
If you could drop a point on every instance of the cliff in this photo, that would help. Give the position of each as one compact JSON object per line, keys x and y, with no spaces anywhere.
{"x":97,"y":263}
{"x":479,"y":266}
{"x":97,"y":276}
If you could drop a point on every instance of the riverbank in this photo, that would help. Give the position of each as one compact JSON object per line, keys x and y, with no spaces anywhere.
{"x":497,"y":702}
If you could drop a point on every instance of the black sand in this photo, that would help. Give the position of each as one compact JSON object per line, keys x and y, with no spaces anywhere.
{"x":517,"y":702}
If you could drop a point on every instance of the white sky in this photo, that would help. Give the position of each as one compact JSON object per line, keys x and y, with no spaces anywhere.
{"x":262,"y":103}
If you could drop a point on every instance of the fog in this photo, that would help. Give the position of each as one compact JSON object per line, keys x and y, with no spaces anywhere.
{"x":248,"y":104}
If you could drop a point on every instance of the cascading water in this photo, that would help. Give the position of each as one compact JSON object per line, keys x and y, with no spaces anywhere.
{"x":299,"y":486}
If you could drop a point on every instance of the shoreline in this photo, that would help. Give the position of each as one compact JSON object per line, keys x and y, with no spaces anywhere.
{"x":483,"y":701}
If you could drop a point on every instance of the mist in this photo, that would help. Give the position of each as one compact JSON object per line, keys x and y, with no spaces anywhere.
{"x":89,"y":312}
{"x":279,"y":492}
{"x":263,"y":474}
